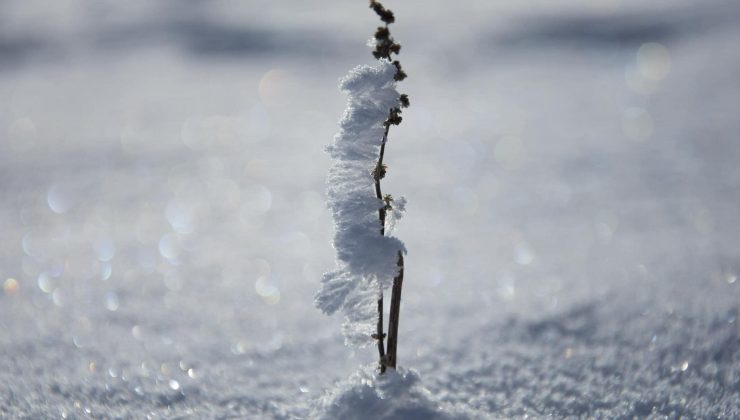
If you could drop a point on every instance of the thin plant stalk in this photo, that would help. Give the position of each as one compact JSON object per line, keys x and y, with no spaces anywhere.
{"x":390,"y":359}
{"x":385,"y":45}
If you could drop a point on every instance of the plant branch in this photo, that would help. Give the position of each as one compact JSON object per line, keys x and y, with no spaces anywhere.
{"x":380,"y":335}
{"x":384,"y":47}
{"x":395,"y":314}
{"x":378,"y":174}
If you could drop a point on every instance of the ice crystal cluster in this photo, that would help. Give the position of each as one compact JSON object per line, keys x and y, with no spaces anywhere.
{"x":365,"y":259}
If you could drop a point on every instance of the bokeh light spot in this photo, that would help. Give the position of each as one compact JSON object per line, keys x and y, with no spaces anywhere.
{"x":136,"y":332}
{"x":106,"y":270}
{"x":261,"y":267}
{"x":637,"y":124}
{"x":267,"y":290}
{"x":31,"y":244}
{"x":111,"y":301}
{"x":45,"y":282}
{"x":653,"y":61}
{"x":58,"y":297}
{"x":104,"y":249}
{"x":10,"y":286}
{"x":60,"y":199}
{"x":169,"y":247}
{"x":181,"y":216}
{"x":276,"y":88}
{"x":506,"y":286}
{"x":257,"y":169}
{"x":523,"y":254}
{"x":174,"y":385}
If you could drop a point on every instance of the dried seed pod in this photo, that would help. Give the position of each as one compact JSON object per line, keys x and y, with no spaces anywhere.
{"x":394,"y":117}
{"x":400,"y":74}
{"x":404,"y":99}
{"x":385,"y":14}
{"x":388,"y":200}
{"x":382,"y":33}
{"x":379,"y":171}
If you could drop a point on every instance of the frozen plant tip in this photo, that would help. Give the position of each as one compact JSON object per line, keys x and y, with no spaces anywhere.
{"x":368,"y":260}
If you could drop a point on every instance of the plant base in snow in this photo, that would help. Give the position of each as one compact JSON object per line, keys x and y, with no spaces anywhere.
{"x":398,"y":394}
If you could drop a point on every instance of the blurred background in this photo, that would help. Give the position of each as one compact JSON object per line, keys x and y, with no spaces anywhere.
{"x":162,"y":218}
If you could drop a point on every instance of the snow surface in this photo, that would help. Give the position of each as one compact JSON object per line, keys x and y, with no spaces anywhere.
{"x":573,"y":183}
{"x":399,"y":394}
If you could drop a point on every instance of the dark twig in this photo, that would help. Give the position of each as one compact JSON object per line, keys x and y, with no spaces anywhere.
{"x":384,"y":47}
{"x":390,"y":359}
{"x":380,"y":335}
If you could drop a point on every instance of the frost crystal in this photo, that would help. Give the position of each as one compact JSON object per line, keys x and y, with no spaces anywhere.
{"x":366,"y":260}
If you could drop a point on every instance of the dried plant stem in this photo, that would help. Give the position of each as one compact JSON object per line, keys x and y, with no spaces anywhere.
{"x":384,"y":47}
{"x":380,"y":335}
{"x":378,"y":192}
{"x":390,"y":359}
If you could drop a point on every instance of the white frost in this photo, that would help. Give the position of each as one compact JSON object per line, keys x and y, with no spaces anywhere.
{"x":366,"y":261}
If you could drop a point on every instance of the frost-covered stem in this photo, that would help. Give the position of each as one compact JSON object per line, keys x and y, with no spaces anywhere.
{"x":378,"y":192}
{"x":366,"y":261}
{"x":388,"y":358}
{"x":384,"y":46}
{"x":395,"y":314}
{"x":381,"y":216}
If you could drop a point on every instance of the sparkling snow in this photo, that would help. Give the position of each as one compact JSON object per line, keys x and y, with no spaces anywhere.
{"x":573,"y":188}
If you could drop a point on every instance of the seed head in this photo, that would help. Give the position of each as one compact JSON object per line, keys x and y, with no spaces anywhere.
{"x":404,"y":99}
{"x":385,"y":14}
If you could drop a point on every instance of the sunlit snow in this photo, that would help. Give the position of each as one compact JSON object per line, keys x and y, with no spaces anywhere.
{"x":573,"y":188}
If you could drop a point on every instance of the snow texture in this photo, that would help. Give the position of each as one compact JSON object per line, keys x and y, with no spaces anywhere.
{"x":575,"y":224}
{"x":396,"y":395}
{"x":366,"y":260}
{"x":595,"y":360}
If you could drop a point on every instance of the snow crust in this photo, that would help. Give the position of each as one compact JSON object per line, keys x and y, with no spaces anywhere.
{"x":365,"y":260}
